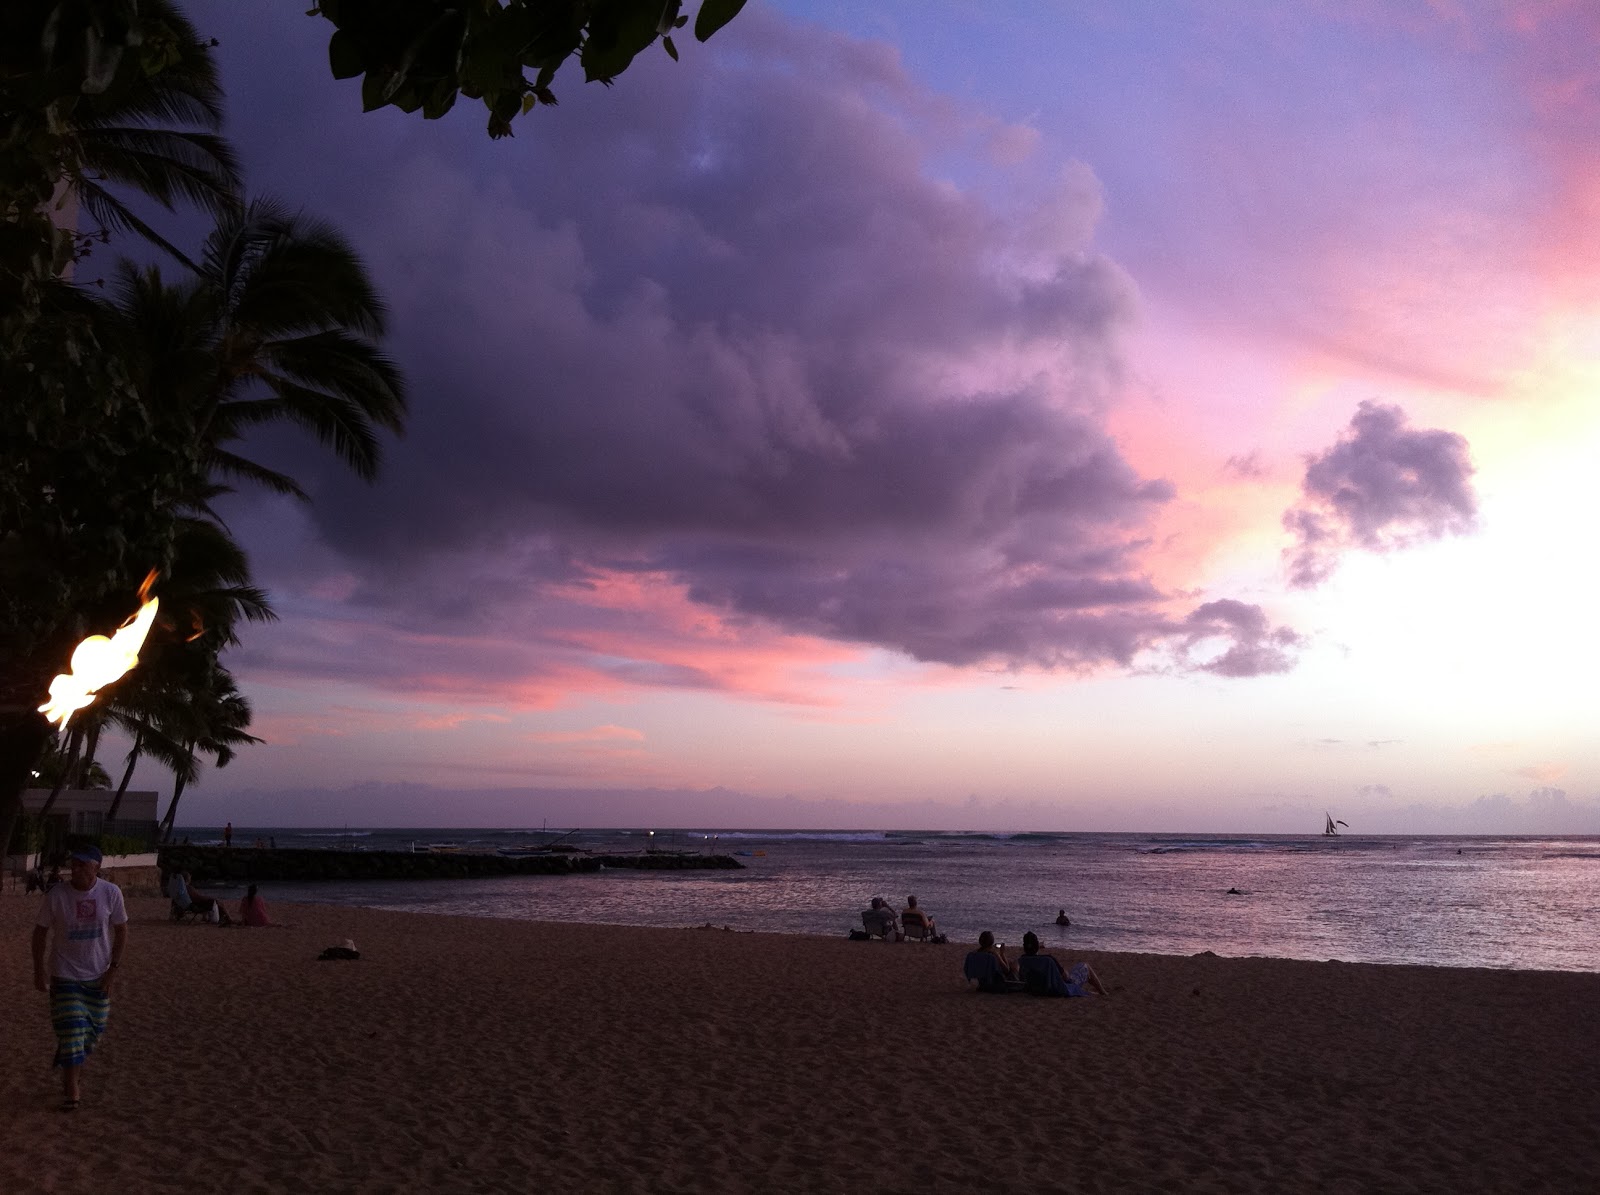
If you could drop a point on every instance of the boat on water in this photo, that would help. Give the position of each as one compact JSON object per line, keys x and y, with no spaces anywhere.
{"x":1328,"y":831}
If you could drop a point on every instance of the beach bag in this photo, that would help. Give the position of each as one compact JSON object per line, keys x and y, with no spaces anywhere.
{"x":860,"y":935}
{"x":214,"y":914}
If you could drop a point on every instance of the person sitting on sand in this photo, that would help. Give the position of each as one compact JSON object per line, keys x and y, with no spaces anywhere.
{"x":987,"y":967}
{"x":880,"y":920}
{"x":1044,"y":976}
{"x":1062,"y":918}
{"x":987,"y":945}
{"x":912,"y":918}
{"x":252,"y":909}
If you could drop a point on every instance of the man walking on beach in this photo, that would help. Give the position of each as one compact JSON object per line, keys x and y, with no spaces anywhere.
{"x":86,"y":925}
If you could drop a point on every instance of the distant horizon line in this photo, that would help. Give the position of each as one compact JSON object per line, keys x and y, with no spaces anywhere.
{"x":341,"y":829}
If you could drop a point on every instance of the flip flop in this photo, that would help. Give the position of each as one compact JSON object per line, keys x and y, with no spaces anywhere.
{"x":69,"y":1105}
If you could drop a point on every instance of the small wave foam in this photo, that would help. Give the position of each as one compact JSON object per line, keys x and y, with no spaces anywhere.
{"x":804,"y":835}
{"x":1213,"y":847}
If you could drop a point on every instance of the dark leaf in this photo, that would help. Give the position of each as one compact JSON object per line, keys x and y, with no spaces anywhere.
{"x":713,"y":15}
{"x":618,"y":31}
{"x":344,"y":55}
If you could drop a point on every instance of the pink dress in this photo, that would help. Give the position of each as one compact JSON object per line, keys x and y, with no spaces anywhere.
{"x":253,"y":911}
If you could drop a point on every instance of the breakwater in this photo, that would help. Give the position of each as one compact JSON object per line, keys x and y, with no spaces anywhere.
{"x":210,"y":864}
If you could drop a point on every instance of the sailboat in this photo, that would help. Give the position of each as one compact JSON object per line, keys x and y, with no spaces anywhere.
{"x":1329,"y":831}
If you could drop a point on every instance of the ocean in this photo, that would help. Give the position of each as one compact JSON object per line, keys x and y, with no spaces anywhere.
{"x":1528,"y":903}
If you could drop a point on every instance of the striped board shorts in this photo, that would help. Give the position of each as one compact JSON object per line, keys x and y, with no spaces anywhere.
{"x":78,"y":1013}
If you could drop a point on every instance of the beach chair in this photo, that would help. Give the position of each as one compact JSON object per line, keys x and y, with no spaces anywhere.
{"x":985,"y":970}
{"x":879,"y":923}
{"x":914,"y":927}
{"x":181,"y":907}
{"x":185,"y":912}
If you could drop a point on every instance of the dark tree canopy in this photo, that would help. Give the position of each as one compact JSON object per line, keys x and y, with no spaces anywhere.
{"x":424,"y":53}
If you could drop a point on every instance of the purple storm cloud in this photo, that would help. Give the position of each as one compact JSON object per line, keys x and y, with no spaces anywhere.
{"x":731,"y":326}
{"x":1382,"y":487}
{"x":1256,"y":648}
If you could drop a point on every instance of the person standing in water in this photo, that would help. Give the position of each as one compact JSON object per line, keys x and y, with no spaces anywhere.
{"x":85,"y":925}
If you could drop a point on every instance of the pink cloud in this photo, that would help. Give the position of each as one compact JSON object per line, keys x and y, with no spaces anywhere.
{"x":595,"y":734}
{"x":613,"y":635}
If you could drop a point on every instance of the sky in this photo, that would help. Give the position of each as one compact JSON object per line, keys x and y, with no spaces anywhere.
{"x":1098,"y":416}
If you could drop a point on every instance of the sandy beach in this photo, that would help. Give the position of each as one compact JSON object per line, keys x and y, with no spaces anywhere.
{"x":481,"y":1055}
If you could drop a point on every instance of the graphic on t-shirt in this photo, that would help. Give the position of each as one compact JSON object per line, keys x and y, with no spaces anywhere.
{"x":86,"y":926}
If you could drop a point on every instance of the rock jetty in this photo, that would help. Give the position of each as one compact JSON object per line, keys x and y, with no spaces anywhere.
{"x":211,"y":864}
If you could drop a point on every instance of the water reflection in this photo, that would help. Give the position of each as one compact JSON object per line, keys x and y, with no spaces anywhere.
{"x":1500,"y":903}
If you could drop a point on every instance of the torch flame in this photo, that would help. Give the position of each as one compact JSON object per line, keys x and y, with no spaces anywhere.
{"x":98,"y":661}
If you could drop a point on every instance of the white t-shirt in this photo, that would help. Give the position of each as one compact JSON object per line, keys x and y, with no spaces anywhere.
{"x":80,"y":938}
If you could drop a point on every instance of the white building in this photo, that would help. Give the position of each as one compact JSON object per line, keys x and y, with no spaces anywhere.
{"x":84,"y":810}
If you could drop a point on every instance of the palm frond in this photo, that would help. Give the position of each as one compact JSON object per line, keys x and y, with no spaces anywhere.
{"x":352,"y":368}
{"x":115,"y":216}
{"x":187,"y":91}
{"x":230,"y":464}
{"x":166,"y":165}
{"x":334,"y":420}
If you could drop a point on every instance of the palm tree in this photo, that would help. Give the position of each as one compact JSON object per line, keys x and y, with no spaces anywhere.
{"x":278,"y":325}
{"x":58,"y":765}
{"x":210,"y":717}
{"x":155,"y":134}
{"x":204,"y":598}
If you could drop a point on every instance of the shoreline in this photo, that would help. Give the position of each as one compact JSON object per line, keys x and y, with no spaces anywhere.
{"x":231,"y":897}
{"x":490,"y":1054}
{"x":232,"y":893}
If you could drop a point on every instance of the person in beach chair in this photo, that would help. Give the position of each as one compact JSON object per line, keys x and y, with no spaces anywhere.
{"x":987,"y":966}
{"x":914,"y":923}
{"x":1043,"y":976}
{"x":178,"y":891}
{"x":879,"y":921}
{"x":187,"y":900}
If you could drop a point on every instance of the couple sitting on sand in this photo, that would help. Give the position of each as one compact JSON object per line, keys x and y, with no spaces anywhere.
{"x":1038,"y":973}
{"x":880,"y":921}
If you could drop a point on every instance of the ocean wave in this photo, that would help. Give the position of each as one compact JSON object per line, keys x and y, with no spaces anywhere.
{"x":331,"y":833}
{"x":1225,"y":846}
{"x":802,"y":835}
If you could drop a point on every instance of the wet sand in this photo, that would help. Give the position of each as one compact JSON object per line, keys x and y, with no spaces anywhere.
{"x":476,"y":1055}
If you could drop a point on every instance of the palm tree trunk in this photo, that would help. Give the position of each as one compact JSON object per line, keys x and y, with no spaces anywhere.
{"x":90,"y":747}
{"x":177,"y":795}
{"x":127,"y":775}
{"x":74,"y":745}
